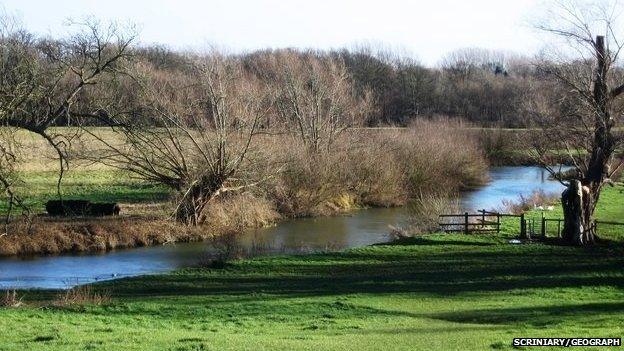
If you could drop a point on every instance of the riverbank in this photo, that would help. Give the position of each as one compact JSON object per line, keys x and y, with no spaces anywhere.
{"x":53,"y":236}
{"x":302,"y":235}
{"x":363,"y":168}
{"x":441,"y":292}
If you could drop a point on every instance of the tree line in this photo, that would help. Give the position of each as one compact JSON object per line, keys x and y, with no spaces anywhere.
{"x":190,"y":120}
{"x":482,"y":86}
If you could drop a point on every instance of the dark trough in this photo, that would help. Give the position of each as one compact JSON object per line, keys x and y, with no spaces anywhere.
{"x":67,"y":208}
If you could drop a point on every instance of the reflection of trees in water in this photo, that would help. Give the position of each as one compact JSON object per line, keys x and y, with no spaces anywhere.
{"x":331,"y":233}
{"x":307,"y":234}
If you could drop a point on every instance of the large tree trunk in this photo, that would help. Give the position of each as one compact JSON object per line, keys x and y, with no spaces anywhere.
{"x":580,"y":198}
{"x":578,"y":209}
{"x":192,"y":204}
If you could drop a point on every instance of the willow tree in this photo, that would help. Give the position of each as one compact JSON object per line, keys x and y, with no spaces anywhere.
{"x":581,"y":110}
{"x":191,"y":131}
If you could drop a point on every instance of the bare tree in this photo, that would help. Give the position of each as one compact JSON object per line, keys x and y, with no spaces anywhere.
{"x":316,"y":99}
{"x":582,"y":109}
{"x":9,"y":177}
{"x":194,"y":133}
{"x":464,"y":63}
{"x":41,"y":79}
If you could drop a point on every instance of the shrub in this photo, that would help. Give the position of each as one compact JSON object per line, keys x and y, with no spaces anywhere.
{"x":440,"y":158}
{"x":537,"y":199}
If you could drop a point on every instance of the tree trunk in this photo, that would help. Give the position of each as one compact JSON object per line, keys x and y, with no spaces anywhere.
{"x":191,"y":206}
{"x":580,"y":198}
{"x":578,"y":209}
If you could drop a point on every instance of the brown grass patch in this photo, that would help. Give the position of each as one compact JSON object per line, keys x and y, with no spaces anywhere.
{"x":10,"y":299}
{"x":53,"y":236}
{"x":81,"y":295}
{"x":241,"y":211}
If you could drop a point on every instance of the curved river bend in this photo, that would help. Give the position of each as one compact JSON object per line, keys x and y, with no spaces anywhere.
{"x":360,"y":228}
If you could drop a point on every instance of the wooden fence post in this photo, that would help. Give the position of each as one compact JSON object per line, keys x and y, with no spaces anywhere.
{"x":483,"y":218}
{"x":522,"y":227}
{"x":466,"y":222}
{"x":543,"y":226}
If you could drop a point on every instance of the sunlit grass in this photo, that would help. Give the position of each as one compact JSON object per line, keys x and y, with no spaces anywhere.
{"x":440,"y":292}
{"x":610,"y":208}
{"x":100,"y":185}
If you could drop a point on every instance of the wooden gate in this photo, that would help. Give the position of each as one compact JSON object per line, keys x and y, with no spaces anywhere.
{"x":481,"y":222}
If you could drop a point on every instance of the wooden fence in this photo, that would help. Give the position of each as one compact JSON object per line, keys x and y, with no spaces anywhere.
{"x":488,"y":221}
{"x":558,"y":221}
{"x":481,"y":222}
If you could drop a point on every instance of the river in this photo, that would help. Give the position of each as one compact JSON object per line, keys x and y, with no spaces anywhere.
{"x":360,"y":228}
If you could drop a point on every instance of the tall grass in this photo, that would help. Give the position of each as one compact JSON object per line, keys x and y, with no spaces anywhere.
{"x":53,"y":236}
{"x":537,"y":199}
{"x":81,"y":295}
{"x":10,"y":299}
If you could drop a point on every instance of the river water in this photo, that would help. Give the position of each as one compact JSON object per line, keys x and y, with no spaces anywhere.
{"x":364,"y":227}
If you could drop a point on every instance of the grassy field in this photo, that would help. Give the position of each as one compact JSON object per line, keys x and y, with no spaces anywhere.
{"x":439,"y":292}
{"x":98,"y":185}
{"x":38,"y":170}
{"x":433,"y":292}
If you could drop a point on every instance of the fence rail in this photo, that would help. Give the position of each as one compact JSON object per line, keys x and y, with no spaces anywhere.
{"x":560,"y":220}
{"x":484,"y":221}
{"x":488,"y":221}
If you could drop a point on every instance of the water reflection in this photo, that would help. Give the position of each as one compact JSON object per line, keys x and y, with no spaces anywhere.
{"x":358,"y":229}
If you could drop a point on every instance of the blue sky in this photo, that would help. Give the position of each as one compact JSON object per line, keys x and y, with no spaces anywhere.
{"x":424,"y":29}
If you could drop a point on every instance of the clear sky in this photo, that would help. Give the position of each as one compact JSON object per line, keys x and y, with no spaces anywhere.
{"x":425,"y":29}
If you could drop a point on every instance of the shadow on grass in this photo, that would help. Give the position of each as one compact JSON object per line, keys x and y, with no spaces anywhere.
{"x":537,"y":316}
{"x":266,"y":308}
{"x":439,"y":270}
{"x":425,"y":241}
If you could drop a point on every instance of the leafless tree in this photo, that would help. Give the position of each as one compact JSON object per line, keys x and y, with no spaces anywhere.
{"x":9,"y":176}
{"x":581,"y":110}
{"x":467,"y":62}
{"x":195,"y":132}
{"x":41,"y":79}
{"x":316,"y":99}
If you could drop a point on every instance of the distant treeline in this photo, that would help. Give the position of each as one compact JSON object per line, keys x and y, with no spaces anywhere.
{"x":478,"y":85}
{"x":46,"y":78}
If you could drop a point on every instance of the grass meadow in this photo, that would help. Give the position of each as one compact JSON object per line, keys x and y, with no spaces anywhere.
{"x":433,"y":292}
{"x":429,"y":292}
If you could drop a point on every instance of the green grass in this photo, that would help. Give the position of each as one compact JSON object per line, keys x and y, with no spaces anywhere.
{"x":38,"y":170}
{"x":100,"y":185}
{"x":444,"y":292}
{"x":610,"y":208}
